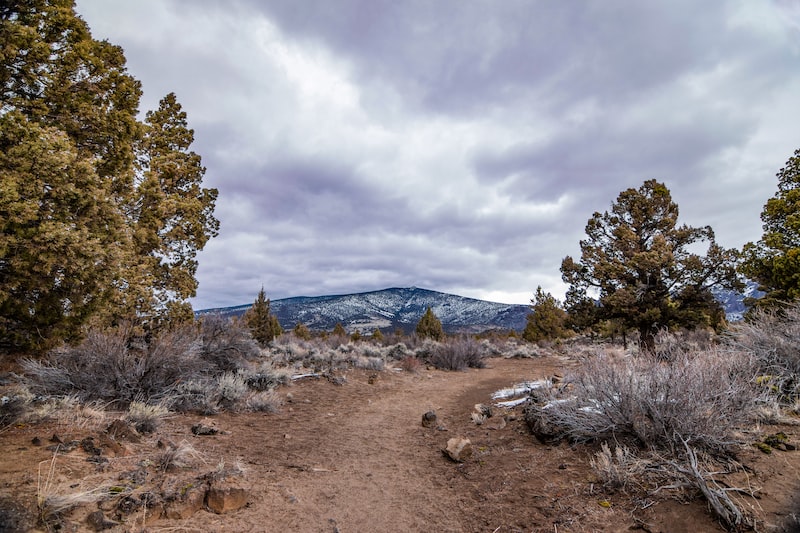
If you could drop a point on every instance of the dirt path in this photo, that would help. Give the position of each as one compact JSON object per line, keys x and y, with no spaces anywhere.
{"x":355,"y":458}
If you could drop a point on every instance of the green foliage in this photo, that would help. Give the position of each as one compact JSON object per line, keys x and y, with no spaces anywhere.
{"x":377,"y":335}
{"x":547,"y":321}
{"x":59,"y":235}
{"x":171,"y":214}
{"x":339,"y":331}
{"x":429,"y":326}
{"x":774,"y":261}
{"x":301,"y":331}
{"x":638,"y":262}
{"x":101,"y":215}
{"x":264,"y":326}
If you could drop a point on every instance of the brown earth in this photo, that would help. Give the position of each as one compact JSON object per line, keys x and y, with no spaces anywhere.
{"x":354,"y":457}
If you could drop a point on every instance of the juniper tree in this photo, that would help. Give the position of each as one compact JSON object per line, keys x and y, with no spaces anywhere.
{"x":547,"y":319}
{"x":637,"y":262}
{"x":429,"y":326}
{"x":774,"y":261}
{"x":263,"y":325}
{"x":101,"y":215}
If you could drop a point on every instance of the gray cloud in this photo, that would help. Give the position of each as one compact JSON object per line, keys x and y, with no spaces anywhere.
{"x":458,"y":146}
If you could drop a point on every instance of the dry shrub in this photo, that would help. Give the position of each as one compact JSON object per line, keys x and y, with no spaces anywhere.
{"x":773,"y":338}
{"x":459,"y":353}
{"x":700,"y":397}
{"x":226,"y":344}
{"x":52,"y":504}
{"x":110,"y":366}
{"x":411,"y":364}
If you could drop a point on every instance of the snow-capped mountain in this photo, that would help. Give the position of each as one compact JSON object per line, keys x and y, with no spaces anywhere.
{"x":733,"y":302}
{"x":389,"y":309}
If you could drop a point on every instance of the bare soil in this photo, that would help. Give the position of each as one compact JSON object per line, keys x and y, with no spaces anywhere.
{"x":354,"y":457}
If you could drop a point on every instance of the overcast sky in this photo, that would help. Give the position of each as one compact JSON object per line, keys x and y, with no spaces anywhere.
{"x":459,"y":145}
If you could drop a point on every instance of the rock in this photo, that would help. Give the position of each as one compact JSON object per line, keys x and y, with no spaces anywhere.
{"x":98,"y":521}
{"x":89,"y":447}
{"x":202,"y":429}
{"x":429,"y":419}
{"x":227,"y":495}
{"x":121,"y":430}
{"x":459,"y":449}
{"x":183,"y":498}
{"x":484,"y":410}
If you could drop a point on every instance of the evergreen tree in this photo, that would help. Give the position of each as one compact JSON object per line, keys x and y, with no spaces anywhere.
{"x":547,"y":319}
{"x":638,"y":262}
{"x":774,"y":261}
{"x":339,"y":331}
{"x":301,"y":331}
{"x":172,"y":215}
{"x":101,"y":215}
{"x":59,"y":236}
{"x":429,"y":326}
{"x":263,"y":325}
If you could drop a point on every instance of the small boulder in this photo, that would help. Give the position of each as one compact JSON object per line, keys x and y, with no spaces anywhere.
{"x":429,"y":419}
{"x":200,"y":429}
{"x":122,"y":430}
{"x":224,"y":496}
{"x":183,"y":498}
{"x":459,"y":449}
{"x":98,"y":521}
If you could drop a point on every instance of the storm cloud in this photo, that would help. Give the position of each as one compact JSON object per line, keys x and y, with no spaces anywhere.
{"x":459,"y":146}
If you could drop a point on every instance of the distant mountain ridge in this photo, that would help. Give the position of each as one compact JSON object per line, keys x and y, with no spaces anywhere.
{"x":389,"y":309}
{"x":394,"y":308}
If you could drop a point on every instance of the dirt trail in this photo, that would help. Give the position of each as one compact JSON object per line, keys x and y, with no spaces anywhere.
{"x":354,"y":457}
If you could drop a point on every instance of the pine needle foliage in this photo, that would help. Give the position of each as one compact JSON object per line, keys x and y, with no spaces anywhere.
{"x":263,"y":325}
{"x":429,"y":326}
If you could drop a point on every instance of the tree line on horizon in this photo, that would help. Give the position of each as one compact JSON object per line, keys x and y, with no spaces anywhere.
{"x":102,"y":214}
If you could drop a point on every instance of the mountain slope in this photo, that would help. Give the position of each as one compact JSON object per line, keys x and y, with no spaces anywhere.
{"x":389,"y":309}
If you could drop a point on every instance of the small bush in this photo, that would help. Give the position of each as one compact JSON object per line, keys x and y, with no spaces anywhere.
{"x":458,"y":354}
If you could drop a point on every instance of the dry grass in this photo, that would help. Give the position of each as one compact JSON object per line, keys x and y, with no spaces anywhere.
{"x":146,"y":417}
{"x":52,"y":504}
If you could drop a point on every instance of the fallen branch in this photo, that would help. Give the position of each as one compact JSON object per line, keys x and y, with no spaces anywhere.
{"x":717,"y":497}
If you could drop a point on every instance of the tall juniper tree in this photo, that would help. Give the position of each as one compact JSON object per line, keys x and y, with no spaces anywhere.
{"x":100,"y":215}
{"x":774,"y":261}
{"x":639,"y":265}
